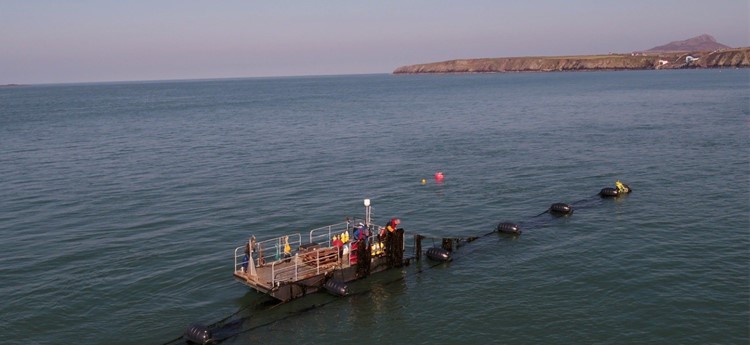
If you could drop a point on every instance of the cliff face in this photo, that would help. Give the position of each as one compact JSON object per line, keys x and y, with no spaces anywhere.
{"x":728,"y":58}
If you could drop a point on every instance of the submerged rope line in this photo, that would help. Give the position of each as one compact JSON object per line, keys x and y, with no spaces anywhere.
{"x":220,"y":323}
{"x":320,"y":305}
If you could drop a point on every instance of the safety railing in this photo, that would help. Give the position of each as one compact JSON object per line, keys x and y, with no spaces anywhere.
{"x":324,"y":235}
{"x":305,"y":264}
{"x":273,"y":249}
{"x":306,"y":259}
{"x":239,"y":254}
{"x":268,"y":251}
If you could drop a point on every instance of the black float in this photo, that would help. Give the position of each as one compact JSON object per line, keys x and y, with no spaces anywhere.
{"x":609,"y":192}
{"x":336,"y":288}
{"x":439,"y":254}
{"x":509,"y":228}
{"x":561,"y":208}
{"x":198,"y":334}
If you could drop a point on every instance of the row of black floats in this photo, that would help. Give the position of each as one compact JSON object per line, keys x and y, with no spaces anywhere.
{"x":563,"y":209}
{"x":443,"y":253}
{"x":556,"y":209}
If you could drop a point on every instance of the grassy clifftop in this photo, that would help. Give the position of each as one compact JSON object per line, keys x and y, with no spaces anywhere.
{"x":727,"y":58}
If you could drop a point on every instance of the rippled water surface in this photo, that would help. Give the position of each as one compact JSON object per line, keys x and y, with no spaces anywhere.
{"x":122,"y":204}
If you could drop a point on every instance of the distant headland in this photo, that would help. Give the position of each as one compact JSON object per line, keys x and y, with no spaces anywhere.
{"x":698,"y":52}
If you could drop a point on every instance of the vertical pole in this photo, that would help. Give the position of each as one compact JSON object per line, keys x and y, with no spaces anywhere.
{"x":251,"y":262}
{"x":368,"y":212}
{"x":418,"y":246}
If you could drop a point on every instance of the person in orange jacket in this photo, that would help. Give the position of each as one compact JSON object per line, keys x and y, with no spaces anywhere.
{"x":390,"y":227}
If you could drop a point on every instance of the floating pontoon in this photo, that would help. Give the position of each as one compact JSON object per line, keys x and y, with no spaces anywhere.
{"x":294,"y":265}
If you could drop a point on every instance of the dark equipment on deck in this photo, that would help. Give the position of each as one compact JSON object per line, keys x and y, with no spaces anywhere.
{"x":394,"y":248}
{"x":363,"y":266}
{"x":448,"y":244}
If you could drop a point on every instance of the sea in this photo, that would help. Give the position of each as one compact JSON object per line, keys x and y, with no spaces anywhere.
{"x":121,"y":205}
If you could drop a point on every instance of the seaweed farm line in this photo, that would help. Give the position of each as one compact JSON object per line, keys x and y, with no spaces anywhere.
{"x":350,"y":269}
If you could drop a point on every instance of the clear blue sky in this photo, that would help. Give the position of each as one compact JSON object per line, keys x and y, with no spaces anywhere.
{"x":58,"y":41}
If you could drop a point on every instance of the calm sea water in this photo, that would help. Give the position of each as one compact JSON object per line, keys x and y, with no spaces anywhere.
{"x":122,"y":204}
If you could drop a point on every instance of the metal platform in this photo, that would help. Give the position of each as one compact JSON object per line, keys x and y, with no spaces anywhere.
{"x":293,"y":265}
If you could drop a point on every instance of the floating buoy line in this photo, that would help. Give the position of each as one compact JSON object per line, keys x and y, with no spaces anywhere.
{"x":231,"y":326}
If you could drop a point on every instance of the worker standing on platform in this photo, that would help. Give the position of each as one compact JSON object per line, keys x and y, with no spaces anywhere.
{"x":361,"y":233}
{"x":393,"y":224}
{"x":338,"y":244}
{"x":287,"y":247}
{"x":389,"y":228}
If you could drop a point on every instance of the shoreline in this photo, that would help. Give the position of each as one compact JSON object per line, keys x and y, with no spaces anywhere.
{"x":726,"y":58}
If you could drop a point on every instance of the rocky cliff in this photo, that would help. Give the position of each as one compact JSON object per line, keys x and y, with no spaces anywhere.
{"x":726,"y":58}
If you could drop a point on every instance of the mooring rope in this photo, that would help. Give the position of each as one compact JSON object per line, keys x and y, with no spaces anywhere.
{"x":319,"y":305}
{"x":221,"y":322}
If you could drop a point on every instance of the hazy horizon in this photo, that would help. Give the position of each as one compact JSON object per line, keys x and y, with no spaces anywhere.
{"x":77,"y":41}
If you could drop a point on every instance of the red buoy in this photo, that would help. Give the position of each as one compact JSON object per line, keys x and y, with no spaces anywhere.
{"x":439,"y":176}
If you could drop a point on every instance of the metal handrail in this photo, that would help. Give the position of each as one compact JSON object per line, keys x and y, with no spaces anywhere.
{"x":236,"y":265}
{"x":299,"y":268}
{"x":273,"y":249}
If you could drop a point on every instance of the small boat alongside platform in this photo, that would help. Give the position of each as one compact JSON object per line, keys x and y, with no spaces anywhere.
{"x":294,"y":265}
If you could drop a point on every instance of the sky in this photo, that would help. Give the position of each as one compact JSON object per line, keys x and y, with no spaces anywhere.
{"x":56,"y":41}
